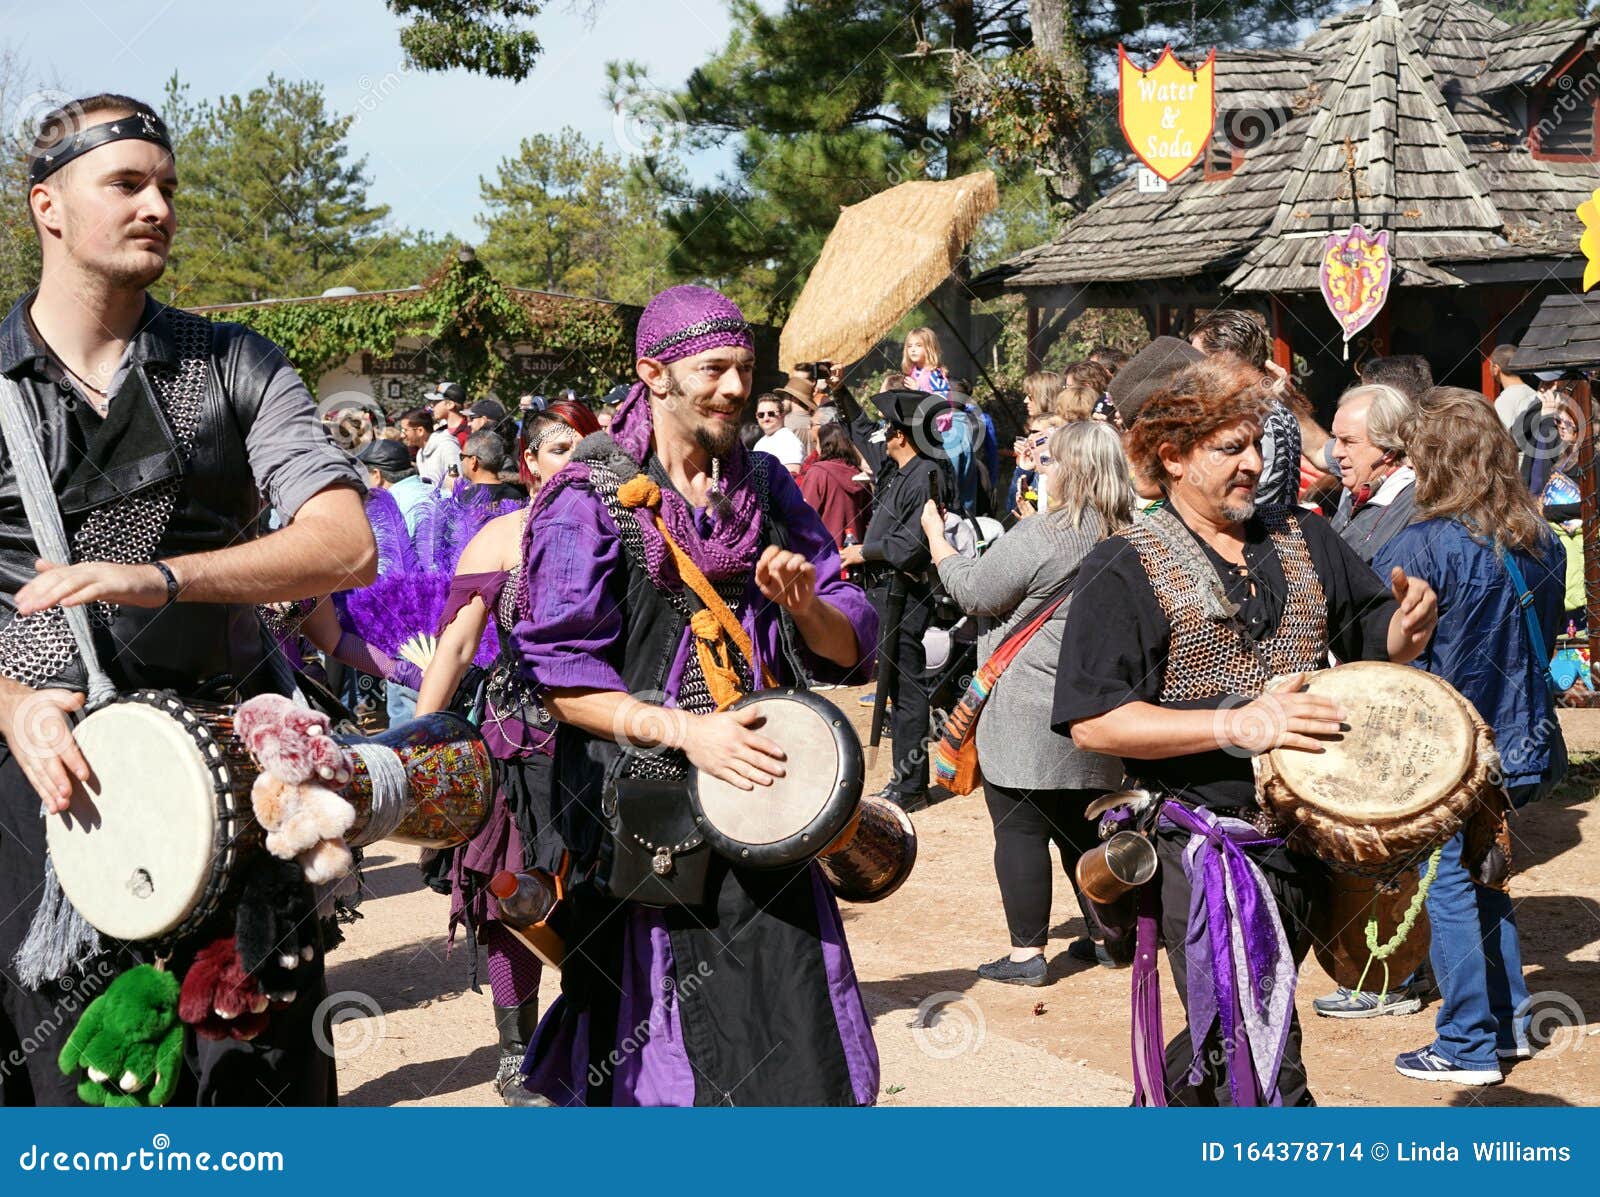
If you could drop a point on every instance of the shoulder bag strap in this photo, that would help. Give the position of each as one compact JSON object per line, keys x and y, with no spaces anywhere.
{"x":1525,"y":601}
{"x":50,"y":537}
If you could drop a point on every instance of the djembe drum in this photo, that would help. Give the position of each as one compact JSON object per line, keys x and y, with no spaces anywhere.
{"x":866,"y":847}
{"x":157,"y":842}
{"x":1416,"y":763}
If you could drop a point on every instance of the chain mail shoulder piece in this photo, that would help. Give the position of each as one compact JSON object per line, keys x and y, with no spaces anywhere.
{"x":37,"y":648}
{"x":1210,"y":652}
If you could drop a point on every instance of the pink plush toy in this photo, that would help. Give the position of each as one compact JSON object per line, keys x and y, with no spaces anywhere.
{"x":304,"y":819}
{"x":291,"y":741}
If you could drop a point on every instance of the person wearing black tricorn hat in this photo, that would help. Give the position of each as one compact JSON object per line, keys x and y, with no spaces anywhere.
{"x":160,"y":433}
{"x":895,"y":554}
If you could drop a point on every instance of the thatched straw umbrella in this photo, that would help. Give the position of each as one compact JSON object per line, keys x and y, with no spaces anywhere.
{"x":885,"y":256}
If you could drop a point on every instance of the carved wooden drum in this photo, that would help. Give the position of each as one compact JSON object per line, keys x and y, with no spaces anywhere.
{"x":1415,"y":762}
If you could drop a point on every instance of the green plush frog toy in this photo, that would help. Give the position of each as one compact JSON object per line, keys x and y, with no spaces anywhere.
{"x":129,"y":1041}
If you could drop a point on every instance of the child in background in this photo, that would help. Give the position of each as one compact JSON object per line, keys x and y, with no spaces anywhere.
{"x":922,"y":363}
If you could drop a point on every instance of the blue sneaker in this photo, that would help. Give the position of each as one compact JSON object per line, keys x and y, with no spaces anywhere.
{"x":1425,"y":1064}
{"x":1355,"y":1003}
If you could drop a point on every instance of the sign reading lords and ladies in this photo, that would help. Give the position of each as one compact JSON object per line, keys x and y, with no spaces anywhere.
{"x":1167,"y":111}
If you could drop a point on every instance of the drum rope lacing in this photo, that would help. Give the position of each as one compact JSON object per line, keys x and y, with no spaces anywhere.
{"x":1413,"y":912}
{"x":390,"y":791}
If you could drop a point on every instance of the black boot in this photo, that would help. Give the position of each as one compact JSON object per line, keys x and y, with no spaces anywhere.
{"x":515,"y":1025}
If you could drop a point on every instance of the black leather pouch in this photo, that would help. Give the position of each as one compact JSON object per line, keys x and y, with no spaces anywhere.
{"x":658,"y":856}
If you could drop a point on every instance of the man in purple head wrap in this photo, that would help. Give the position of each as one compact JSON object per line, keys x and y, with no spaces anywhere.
{"x":737,"y":989}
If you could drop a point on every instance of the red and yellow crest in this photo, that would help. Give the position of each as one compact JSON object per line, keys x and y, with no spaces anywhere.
{"x":1167,"y":112}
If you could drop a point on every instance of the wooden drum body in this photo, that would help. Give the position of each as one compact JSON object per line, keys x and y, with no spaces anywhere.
{"x":450,"y":782}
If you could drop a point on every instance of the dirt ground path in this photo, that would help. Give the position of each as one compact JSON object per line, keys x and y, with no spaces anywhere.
{"x":410,"y":1031}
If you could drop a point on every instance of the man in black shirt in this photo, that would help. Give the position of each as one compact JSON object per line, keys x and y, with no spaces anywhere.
{"x":1177,"y":624}
{"x":897,"y":548}
{"x":161,"y":433}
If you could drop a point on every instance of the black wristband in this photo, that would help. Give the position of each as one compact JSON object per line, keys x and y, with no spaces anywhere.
{"x":172,"y":581}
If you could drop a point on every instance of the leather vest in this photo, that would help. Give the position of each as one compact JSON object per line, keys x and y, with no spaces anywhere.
{"x":203,"y":383}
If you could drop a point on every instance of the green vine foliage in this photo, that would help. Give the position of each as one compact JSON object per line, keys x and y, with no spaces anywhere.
{"x":474,"y":324}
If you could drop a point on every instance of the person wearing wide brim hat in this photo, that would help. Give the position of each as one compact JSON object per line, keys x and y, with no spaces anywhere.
{"x":895,"y":555}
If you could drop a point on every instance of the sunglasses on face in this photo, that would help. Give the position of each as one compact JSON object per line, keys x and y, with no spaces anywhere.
{"x":766,"y":415}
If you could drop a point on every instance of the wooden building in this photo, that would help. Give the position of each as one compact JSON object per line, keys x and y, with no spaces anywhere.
{"x":1471,"y":140}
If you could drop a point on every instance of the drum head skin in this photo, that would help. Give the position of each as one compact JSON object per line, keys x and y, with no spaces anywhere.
{"x":800,"y":813}
{"x":133,"y":852}
{"x":1416,"y":760}
{"x":1410,"y":744}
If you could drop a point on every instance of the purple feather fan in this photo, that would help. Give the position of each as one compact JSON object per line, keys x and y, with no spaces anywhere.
{"x":410,"y":600}
{"x":395,"y":551}
{"x":445,"y":523}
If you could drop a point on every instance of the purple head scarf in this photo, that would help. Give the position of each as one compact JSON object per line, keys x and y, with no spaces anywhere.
{"x":679,"y":323}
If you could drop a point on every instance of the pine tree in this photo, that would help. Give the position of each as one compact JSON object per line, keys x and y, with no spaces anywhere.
{"x":566,"y":215}
{"x":486,"y":36}
{"x":270,"y":205}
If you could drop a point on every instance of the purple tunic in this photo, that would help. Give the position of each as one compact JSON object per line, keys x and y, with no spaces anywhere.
{"x":574,"y":637}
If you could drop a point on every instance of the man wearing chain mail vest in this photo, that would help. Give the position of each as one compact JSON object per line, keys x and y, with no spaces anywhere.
{"x":1196,"y":607}
{"x":161,"y":434}
{"x":675,"y":571}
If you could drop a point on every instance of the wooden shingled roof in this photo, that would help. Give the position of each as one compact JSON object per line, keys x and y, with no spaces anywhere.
{"x":1382,"y":149}
{"x":1418,"y":88}
{"x":1564,"y":335}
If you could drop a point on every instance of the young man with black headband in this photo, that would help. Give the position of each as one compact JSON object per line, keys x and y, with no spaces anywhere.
{"x":162,"y":434}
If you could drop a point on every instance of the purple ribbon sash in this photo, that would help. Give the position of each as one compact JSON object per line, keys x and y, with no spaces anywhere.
{"x":1241,"y":971}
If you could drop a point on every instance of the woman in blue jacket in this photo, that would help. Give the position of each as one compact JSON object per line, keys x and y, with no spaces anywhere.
{"x":1480,"y":541}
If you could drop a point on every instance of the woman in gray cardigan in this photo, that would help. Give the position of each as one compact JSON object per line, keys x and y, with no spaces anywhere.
{"x":1037,"y":783}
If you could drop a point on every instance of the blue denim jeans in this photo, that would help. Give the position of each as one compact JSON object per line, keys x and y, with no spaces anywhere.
{"x":402,"y":703}
{"x":1477,"y":960}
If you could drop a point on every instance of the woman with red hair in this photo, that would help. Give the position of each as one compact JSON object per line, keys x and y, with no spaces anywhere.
{"x":519,"y":833}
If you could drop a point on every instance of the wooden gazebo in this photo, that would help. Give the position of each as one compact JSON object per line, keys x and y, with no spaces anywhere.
{"x":1472,"y":141}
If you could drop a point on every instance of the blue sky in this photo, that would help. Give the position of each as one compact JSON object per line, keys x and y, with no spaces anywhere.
{"x":427,"y":137}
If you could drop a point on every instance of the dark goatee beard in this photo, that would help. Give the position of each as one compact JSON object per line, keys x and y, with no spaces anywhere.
{"x":718,"y":442}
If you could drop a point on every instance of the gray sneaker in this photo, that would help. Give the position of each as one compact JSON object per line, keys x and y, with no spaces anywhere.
{"x":1355,"y":1003}
{"x":1013,"y":972}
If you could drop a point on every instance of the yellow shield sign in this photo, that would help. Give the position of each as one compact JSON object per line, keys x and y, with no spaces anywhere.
{"x":1167,"y":112}
{"x":1589,"y":243}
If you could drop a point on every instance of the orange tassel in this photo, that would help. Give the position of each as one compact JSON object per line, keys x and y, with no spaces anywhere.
{"x":639,"y":491}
